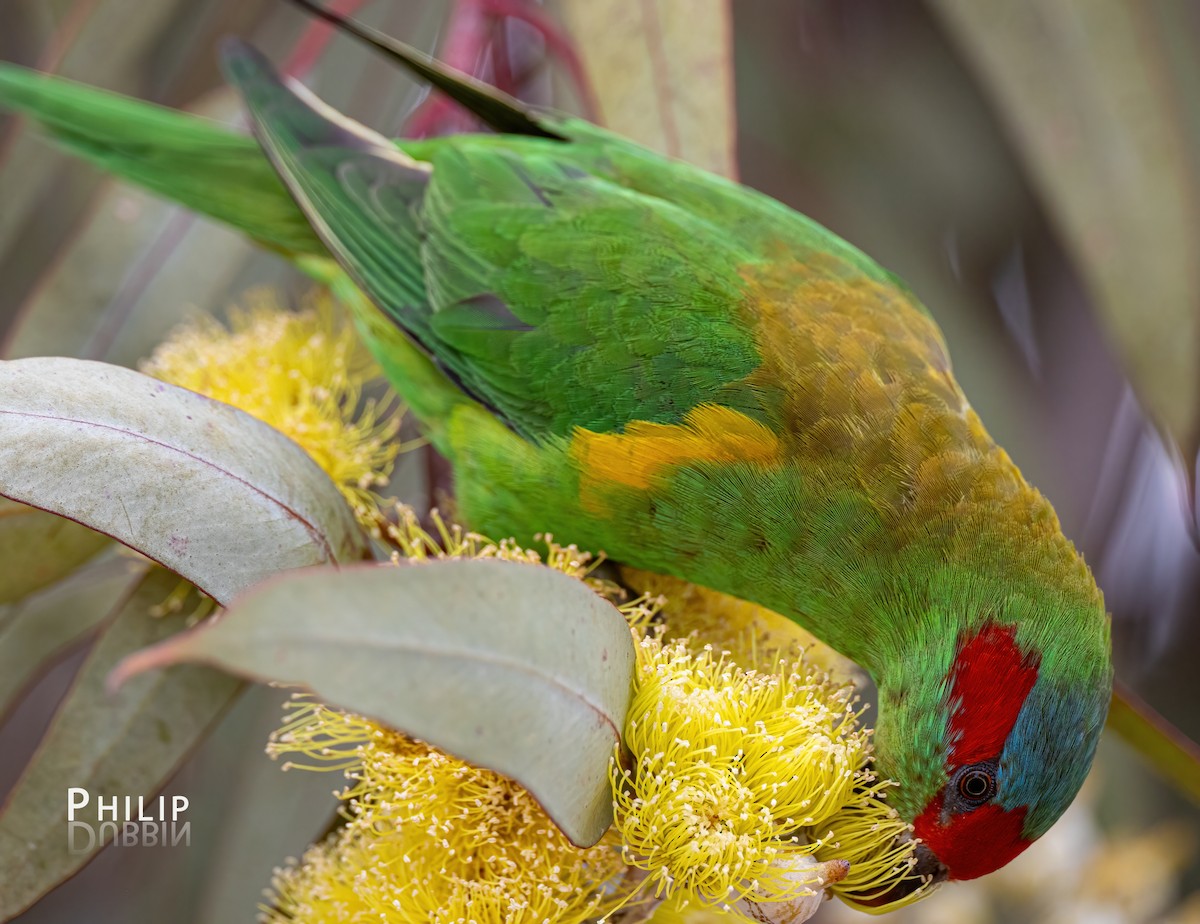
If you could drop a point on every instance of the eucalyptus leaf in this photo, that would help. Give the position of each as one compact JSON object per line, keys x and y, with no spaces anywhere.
{"x":663,"y":72}
{"x":253,"y":816}
{"x":509,"y":666}
{"x":39,"y":548}
{"x":35,"y":632}
{"x":1105,"y":120}
{"x":207,"y":490}
{"x":1169,"y":751}
{"x":123,"y":745}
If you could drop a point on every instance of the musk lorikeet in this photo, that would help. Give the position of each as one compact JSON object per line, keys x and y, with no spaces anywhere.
{"x":647,"y":359}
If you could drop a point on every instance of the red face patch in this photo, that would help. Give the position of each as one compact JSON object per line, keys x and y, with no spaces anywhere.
{"x":973,"y":843}
{"x":989,"y":682}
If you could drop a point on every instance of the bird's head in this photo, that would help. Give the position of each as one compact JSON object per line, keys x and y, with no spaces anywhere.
{"x":992,"y":735}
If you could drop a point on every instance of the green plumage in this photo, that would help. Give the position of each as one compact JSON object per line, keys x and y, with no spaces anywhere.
{"x":647,"y":359}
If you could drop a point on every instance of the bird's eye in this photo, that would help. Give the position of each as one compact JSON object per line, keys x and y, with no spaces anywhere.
{"x":977,"y":784}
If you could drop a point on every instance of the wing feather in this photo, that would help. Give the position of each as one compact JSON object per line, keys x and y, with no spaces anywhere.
{"x":556,"y":296}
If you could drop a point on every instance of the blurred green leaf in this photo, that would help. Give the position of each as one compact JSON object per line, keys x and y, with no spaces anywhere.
{"x":111,"y":52}
{"x":34,"y":632}
{"x":663,"y":73}
{"x":1166,"y":748}
{"x":127,"y":744}
{"x":39,"y":548}
{"x":508,"y":666}
{"x":254,"y":814}
{"x":201,"y":487}
{"x":1105,"y":118}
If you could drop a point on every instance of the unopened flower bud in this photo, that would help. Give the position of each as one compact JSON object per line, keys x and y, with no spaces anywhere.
{"x":805,"y":871}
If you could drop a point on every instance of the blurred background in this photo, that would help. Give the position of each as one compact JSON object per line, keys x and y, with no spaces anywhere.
{"x":1029,"y":168}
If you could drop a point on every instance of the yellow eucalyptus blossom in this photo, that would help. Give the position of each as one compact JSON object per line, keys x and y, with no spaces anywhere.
{"x":850,"y":822}
{"x":302,"y":373}
{"x":731,"y":769}
{"x":430,"y":838}
{"x":870,"y":835}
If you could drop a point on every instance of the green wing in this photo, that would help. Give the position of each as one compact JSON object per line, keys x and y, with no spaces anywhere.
{"x":555,"y":296}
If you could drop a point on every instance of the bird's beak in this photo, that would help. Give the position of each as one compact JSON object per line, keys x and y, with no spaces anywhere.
{"x":928,"y":868}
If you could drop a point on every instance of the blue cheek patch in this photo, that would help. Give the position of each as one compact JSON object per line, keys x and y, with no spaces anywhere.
{"x":1048,"y":753}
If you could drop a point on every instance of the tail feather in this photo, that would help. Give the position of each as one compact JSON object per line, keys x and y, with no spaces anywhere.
{"x":194,"y":161}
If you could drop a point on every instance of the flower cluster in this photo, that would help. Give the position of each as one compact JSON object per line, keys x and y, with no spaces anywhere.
{"x":429,"y":838}
{"x":742,"y":791}
{"x":731,"y":767}
{"x":303,"y":374}
{"x":741,"y":778}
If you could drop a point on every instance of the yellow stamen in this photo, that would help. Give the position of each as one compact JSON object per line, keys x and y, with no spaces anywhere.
{"x":303,"y":374}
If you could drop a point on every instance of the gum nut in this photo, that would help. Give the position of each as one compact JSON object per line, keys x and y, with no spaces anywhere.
{"x":805,"y":871}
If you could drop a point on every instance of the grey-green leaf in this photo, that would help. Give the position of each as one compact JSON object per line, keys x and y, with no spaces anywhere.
{"x":509,"y":666}
{"x":1099,"y":98}
{"x":122,"y":745}
{"x":38,"y":548}
{"x":253,"y":815}
{"x":36,"y":632}
{"x":214,"y":494}
{"x":663,"y":72}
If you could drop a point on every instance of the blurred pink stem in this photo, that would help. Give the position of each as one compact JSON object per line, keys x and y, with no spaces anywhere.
{"x":314,"y":39}
{"x":466,"y":40}
{"x":556,"y":41}
{"x":473,"y":25}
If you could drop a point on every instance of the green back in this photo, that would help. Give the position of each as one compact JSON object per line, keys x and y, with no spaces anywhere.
{"x":513,"y":263}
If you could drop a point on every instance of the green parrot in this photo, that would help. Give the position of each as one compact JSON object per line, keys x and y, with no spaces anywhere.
{"x":646,"y":359}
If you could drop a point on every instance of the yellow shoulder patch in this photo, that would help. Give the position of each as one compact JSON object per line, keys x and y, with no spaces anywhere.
{"x":709,"y":433}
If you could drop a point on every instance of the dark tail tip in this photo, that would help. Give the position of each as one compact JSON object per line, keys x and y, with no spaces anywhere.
{"x":499,"y":110}
{"x":249,"y":72}
{"x":241,"y":62}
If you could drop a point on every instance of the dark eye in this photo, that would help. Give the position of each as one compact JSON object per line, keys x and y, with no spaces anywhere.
{"x":976,"y":784}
